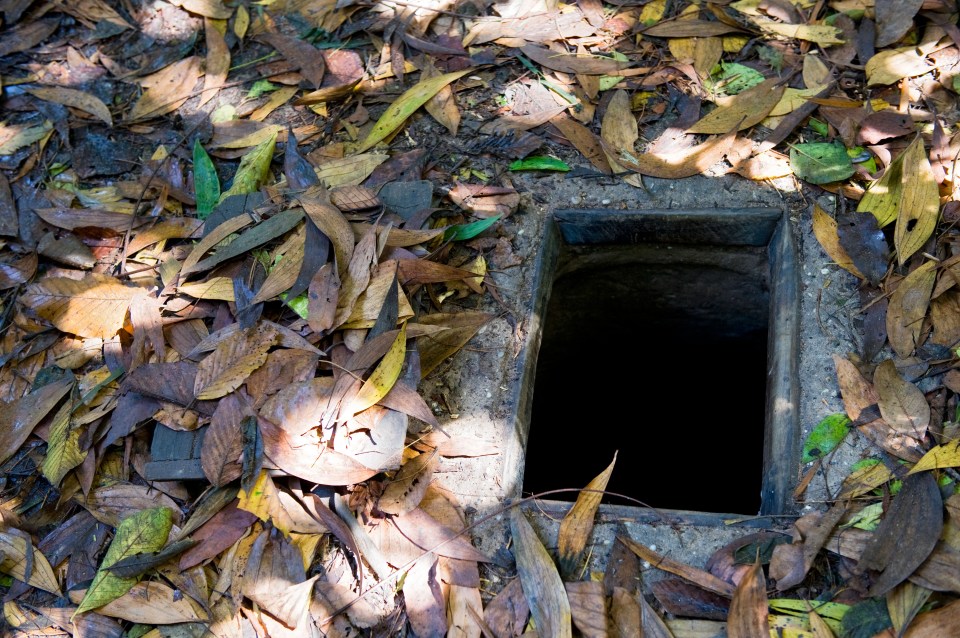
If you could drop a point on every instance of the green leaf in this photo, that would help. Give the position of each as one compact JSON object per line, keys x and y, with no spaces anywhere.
{"x":260,"y":87}
{"x":463,"y":232}
{"x":821,"y":162}
{"x":832,"y":613}
{"x":298,"y":304}
{"x":868,"y":518}
{"x":539,"y":163}
{"x":820,"y":127}
{"x":732,"y":78}
{"x":254,"y":169}
{"x":143,"y":532}
{"x":866,"y":619}
{"x":825,"y":437}
{"x":206,"y":184}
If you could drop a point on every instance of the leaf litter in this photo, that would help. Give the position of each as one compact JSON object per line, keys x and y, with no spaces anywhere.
{"x":214,"y":286}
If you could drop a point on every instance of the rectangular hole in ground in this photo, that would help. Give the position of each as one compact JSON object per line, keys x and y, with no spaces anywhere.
{"x":656,"y":350}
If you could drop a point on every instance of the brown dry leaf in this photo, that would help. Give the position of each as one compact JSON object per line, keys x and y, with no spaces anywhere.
{"x":322,"y":298}
{"x":147,"y":329}
{"x":577,"y":525}
{"x":856,"y":391}
{"x":405,"y":490}
{"x":331,"y":222}
{"x":284,"y":274}
{"x":223,"y":529}
{"x":742,"y":110}
{"x":865,"y":479}
{"x":76,"y":99}
{"x":19,"y":418}
{"x":424,"y":603}
{"x":684,"y":163}
{"x":619,"y":134}
{"x":825,"y":230}
{"x":104,"y":221}
{"x":584,"y":140}
{"x":217,"y":63}
{"x":115,"y":501}
{"x":357,"y":275}
{"x":588,"y":607}
{"x":626,"y":617}
{"x":653,"y":625}
{"x":427,"y":533}
{"x":435,"y":348}
{"x":367,"y":307}
{"x":349,"y":171}
{"x":907,"y":534}
{"x":791,"y":562}
{"x":401,"y":237}
{"x":748,"y":609}
{"x":686,"y":28}
{"x":507,"y":613}
{"x":232,"y":362}
{"x":150,"y":602}
{"x":18,"y":272}
{"x":541,"y":582}
{"x":66,"y":248}
{"x":945,"y":318}
{"x":93,"y":306}
{"x":937,"y":623}
{"x":891,"y":65}
{"x":902,"y":404}
{"x":908,"y":307}
{"x":177,"y":228}
{"x":442,"y":106}
{"x":167,"y":90}
{"x":484,"y":200}
{"x":211,"y":239}
{"x":301,"y":54}
{"x":223,"y":443}
{"x":573,"y":63}
{"x":702,"y":578}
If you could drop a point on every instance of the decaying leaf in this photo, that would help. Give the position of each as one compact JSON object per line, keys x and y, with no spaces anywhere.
{"x":902,"y":404}
{"x":233,"y":361}
{"x":542,"y":586}
{"x":908,"y":307}
{"x":93,"y":306}
{"x":405,"y":490}
{"x":577,"y":525}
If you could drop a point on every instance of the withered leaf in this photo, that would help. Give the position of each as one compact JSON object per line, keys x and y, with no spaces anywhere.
{"x":224,"y":529}
{"x":541,"y":582}
{"x":577,"y":525}
{"x":742,"y":110}
{"x":748,"y":609}
{"x":906,"y":535}
{"x":573,"y":63}
{"x":864,"y":242}
{"x":167,"y":90}
{"x":429,"y":534}
{"x":93,"y":306}
{"x":405,"y":490}
{"x":588,"y":607}
{"x":233,"y":361}
{"x":19,"y":419}
{"x":908,"y":307}
{"x":902,"y":404}
{"x":825,"y":230}
{"x":303,"y":55}
{"x":223,"y":443}
{"x":791,"y":563}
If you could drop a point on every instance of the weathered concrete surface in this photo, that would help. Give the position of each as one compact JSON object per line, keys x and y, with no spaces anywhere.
{"x":481,"y":384}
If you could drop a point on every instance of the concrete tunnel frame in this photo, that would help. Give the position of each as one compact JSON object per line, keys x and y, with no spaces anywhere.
{"x":750,"y":228}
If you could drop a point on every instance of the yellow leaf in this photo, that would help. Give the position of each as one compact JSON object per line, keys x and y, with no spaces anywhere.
{"x":815,"y":72}
{"x":383,"y":376}
{"x":892,"y":65}
{"x":242,"y":23}
{"x":90,"y":307}
{"x":77,"y":99}
{"x":254,"y":169}
{"x":793,"y":99}
{"x":946,"y":455}
{"x":13,"y":561}
{"x":404,"y":106}
{"x":63,"y":447}
{"x":15,"y":136}
{"x":151,"y":603}
{"x":214,"y":288}
{"x":825,"y":230}
{"x":742,"y":110}
{"x":907,"y":308}
{"x":882,"y":198}
{"x":349,"y":171}
{"x":233,"y":361}
{"x":919,"y":202}
{"x":206,"y":8}
{"x":263,"y":501}
{"x":620,"y":133}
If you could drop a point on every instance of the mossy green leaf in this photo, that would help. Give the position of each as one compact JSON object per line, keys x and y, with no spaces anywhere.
{"x":206,"y":184}
{"x":254,"y":169}
{"x":539,"y":163}
{"x":825,"y":437}
{"x":820,"y":162}
{"x":143,"y":532}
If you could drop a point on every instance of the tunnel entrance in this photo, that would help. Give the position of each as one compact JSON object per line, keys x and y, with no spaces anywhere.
{"x":658,"y":331}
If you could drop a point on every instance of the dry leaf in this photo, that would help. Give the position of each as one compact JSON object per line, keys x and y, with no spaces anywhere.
{"x":577,"y":525}
{"x":748,"y":609}
{"x":825,"y":230}
{"x":919,"y":202}
{"x":76,"y":99}
{"x":619,"y":134}
{"x":908,"y":307}
{"x":167,"y":90}
{"x":902,"y":404}
{"x":742,"y":110}
{"x":405,"y":490}
{"x":542,"y":586}
{"x":588,"y":607}
{"x":93,"y":306}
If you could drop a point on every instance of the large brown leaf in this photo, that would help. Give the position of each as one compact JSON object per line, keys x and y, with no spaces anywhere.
{"x":577,"y":525}
{"x":233,"y":361}
{"x":906,"y":535}
{"x":902,"y":404}
{"x":541,"y":582}
{"x":93,"y":306}
{"x":748,"y":610}
{"x":907,"y":308}
{"x":17,"y":420}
